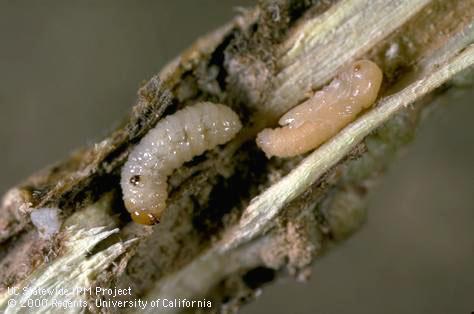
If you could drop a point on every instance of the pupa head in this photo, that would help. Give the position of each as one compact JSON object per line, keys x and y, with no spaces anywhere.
{"x":365,"y":79}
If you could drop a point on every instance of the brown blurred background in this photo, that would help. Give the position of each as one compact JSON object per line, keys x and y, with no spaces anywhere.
{"x":69,"y":71}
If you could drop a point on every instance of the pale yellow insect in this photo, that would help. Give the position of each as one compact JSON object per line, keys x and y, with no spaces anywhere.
{"x":175,"y":140}
{"x":308,"y":125}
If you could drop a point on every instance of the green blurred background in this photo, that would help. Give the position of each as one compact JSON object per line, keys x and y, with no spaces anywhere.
{"x":69,"y":71}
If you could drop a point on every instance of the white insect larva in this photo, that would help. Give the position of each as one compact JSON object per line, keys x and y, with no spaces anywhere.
{"x":308,"y":125}
{"x":175,"y":140}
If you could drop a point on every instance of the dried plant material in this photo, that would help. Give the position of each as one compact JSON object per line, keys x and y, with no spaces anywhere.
{"x":47,"y":221}
{"x":346,"y":31}
{"x":76,"y":270}
{"x":231,"y":206}
{"x":257,"y":217}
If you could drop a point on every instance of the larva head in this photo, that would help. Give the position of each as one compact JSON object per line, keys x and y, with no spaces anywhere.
{"x":144,"y":195}
{"x":365,"y":78}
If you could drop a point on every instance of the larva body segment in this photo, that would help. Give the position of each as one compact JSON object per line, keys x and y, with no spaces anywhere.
{"x":175,"y":140}
{"x":308,"y":125}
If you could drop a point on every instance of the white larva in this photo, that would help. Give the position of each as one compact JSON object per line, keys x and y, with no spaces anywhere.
{"x":308,"y":125}
{"x":175,"y":140}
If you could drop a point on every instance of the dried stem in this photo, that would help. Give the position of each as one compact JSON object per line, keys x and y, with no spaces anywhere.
{"x":233,"y":212}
